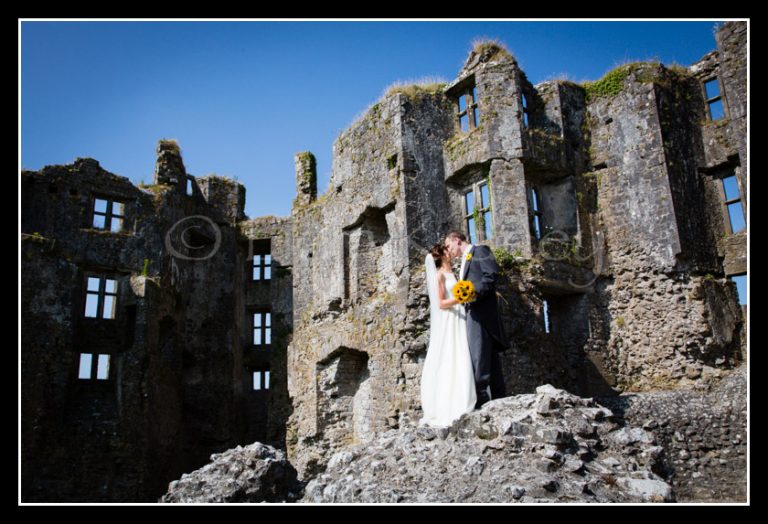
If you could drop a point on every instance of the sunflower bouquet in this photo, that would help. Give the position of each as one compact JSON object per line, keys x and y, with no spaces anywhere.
{"x":464,"y":291}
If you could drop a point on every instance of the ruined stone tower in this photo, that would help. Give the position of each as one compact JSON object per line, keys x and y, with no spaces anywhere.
{"x":605,"y":203}
{"x":137,"y":305}
{"x":160,"y":324}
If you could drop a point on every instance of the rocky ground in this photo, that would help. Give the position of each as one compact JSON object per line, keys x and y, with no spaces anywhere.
{"x":550,"y":446}
{"x":255,"y":473}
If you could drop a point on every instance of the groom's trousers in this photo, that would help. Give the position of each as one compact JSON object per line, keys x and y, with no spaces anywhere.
{"x":486,"y":361}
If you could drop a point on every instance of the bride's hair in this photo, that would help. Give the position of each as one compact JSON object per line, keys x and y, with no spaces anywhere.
{"x":438,"y":254}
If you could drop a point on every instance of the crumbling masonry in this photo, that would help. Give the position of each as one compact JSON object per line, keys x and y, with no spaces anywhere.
{"x":160,"y":324}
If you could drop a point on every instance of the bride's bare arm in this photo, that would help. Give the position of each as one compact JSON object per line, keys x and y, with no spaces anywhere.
{"x":445,"y":303}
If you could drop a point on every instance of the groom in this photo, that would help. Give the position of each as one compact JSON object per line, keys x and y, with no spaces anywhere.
{"x":484,"y":333}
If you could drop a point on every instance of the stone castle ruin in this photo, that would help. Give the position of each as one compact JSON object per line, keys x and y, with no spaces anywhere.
{"x":160,"y":324}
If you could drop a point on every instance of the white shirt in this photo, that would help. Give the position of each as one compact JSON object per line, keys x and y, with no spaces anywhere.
{"x":464,"y":260}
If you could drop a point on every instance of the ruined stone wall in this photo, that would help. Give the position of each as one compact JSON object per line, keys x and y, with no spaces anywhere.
{"x":168,"y":398}
{"x":668,"y":326}
{"x":427,"y":121}
{"x":724,"y":144}
{"x":71,"y":423}
{"x":716,"y":136}
{"x":732,"y":47}
{"x":350,"y":264}
{"x":537,"y":145}
{"x":635,"y":198}
{"x":493,"y":150}
{"x":571,"y":355}
{"x":201,"y":263}
{"x":680,"y":115}
{"x":732,"y":41}
{"x":703,"y":432}
{"x":723,"y":141}
{"x":268,"y":410}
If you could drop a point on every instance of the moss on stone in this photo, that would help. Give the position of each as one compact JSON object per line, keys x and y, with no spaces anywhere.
{"x":38,"y":239}
{"x":504,"y":258}
{"x":610,"y":85}
{"x":613,"y":82}
{"x":155,"y":188}
{"x":462,"y":143}
{"x":307,"y":156}
{"x":107,"y":232}
{"x":543,"y":137}
{"x":597,"y":176}
{"x":309,"y":169}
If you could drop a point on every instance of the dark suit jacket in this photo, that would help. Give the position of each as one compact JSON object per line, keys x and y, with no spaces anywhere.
{"x":482,"y":270}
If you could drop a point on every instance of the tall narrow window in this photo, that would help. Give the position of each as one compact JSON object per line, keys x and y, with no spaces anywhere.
{"x":101,"y":298}
{"x":261,"y":380}
{"x":469,"y":210}
{"x":477,"y":211}
{"x":545,"y":310}
{"x":733,"y":205}
{"x":469,"y":114}
{"x":485,"y":209}
{"x":741,"y":287}
{"x":262,"y":260}
{"x":86,"y":365}
{"x":108,"y":214}
{"x":93,"y":368}
{"x":715,"y":108}
{"x":536,"y":205}
{"x":102,"y":368}
{"x":262,"y":328}
{"x":525,"y":112}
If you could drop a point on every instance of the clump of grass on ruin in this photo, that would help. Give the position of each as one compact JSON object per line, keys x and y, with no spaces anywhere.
{"x":427,"y":86}
{"x":155,"y":188}
{"x":612,"y":83}
{"x":507,"y":260}
{"x":416,"y":89}
{"x":170,"y":144}
{"x":489,"y":47}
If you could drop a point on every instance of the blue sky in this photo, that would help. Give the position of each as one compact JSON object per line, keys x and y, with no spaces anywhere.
{"x":242,"y":97}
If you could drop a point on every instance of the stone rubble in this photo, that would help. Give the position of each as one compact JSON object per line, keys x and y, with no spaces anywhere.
{"x":254,"y":473}
{"x":550,"y":446}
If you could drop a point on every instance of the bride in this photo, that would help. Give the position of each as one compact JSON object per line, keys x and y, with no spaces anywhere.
{"x":447,"y":380}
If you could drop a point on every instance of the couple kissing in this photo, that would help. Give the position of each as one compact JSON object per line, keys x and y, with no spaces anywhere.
{"x":462,"y":369}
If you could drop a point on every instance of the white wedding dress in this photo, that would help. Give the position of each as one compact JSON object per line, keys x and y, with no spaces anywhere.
{"x":447,"y":379}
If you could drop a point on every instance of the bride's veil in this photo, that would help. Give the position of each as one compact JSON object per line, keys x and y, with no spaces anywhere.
{"x":434,"y":301}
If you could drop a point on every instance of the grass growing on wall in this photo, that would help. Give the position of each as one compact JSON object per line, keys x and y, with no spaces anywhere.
{"x":613,"y":82}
